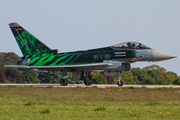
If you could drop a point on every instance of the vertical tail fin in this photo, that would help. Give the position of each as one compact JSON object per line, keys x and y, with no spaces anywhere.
{"x":27,"y":42}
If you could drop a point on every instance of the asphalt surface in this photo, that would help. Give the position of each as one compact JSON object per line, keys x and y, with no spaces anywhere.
{"x":98,"y":85}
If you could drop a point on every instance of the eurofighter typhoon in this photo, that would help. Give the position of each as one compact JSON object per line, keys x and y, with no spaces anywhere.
{"x":38,"y":57}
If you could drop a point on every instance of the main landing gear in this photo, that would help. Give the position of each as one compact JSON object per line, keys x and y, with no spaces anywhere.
{"x":120,"y":83}
{"x":88,"y":79}
{"x":64,"y":80}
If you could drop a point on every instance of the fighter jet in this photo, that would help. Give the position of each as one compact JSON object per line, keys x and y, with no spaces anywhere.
{"x":38,"y":57}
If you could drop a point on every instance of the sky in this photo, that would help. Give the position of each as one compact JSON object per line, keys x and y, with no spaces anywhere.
{"x":71,"y":25}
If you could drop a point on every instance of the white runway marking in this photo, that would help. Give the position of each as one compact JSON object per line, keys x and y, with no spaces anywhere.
{"x":98,"y":85}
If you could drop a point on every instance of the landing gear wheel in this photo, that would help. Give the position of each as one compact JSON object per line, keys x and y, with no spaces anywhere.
{"x":87,"y":81}
{"x":64,"y":81}
{"x":120,"y":83}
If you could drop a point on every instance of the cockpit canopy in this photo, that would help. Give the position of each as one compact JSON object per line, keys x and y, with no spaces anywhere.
{"x":131,"y":45}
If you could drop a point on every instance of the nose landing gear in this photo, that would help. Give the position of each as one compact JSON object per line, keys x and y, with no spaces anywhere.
{"x":120,"y":83}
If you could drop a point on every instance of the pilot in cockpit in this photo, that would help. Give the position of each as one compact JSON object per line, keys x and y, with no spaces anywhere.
{"x":129,"y":45}
{"x":133,"y":45}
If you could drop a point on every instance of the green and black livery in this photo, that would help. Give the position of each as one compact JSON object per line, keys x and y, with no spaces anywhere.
{"x":40,"y":54}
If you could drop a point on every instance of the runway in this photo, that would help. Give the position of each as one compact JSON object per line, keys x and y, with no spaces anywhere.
{"x":93,"y":85}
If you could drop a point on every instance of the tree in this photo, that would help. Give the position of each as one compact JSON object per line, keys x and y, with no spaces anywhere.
{"x":14,"y":76}
{"x":162,"y":82}
{"x":2,"y":55}
{"x":50,"y":77}
{"x":155,"y":67}
{"x":116,"y":79}
{"x":170,"y":77}
{"x":99,"y":79}
{"x":149,"y":81}
{"x":70,"y":75}
{"x":8,"y":58}
{"x":153,"y":73}
{"x":160,"y":74}
{"x":30,"y":77}
{"x":141,"y":74}
{"x":11,"y":56}
{"x":127,"y":78}
{"x":2,"y":76}
{"x":110,"y":79}
{"x":156,"y":71}
{"x":177,"y":81}
{"x":136,"y":80}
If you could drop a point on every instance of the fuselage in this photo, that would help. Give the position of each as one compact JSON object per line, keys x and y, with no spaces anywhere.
{"x":116,"y":55}
{"x":82,"y":57}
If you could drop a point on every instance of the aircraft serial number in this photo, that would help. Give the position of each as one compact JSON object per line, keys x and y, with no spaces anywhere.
{"x":106,"y":56}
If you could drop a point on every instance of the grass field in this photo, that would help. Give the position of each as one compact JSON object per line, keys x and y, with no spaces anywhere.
{"x":23,"y":103}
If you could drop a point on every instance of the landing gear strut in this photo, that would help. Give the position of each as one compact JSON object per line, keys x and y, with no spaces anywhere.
{"x":88,"y":78}
{"x":120,"y":83}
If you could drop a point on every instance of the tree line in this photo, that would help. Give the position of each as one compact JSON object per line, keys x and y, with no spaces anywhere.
{"x":150,"y":75}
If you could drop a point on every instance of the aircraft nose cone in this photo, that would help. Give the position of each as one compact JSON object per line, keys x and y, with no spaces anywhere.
{"x":158,"y":56}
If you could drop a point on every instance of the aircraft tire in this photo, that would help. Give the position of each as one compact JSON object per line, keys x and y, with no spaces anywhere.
{"x":64,"y":81}
{"x":87,"y":81}
{"x":120,"y":83}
